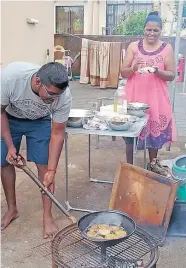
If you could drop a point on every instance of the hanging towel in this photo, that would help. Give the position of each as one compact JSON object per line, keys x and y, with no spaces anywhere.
{"x":94,"y":63}
{"x":84,"y":71}
{"x":104,"y":63}
{"x":115,"y":64}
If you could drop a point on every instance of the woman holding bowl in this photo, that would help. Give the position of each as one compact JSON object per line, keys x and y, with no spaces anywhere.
{"x":151,"y":88}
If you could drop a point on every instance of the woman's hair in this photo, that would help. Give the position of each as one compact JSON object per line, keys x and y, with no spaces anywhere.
{"x":154,"y":17}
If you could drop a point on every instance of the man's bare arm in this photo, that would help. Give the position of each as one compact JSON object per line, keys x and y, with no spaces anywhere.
{"x":56,"y":144}
{"x":5,"y":129}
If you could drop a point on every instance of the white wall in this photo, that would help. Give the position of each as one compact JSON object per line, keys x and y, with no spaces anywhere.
{"x":24,"y":42}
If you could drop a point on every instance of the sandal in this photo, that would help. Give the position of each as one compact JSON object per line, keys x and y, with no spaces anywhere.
{"x":159,"y":169}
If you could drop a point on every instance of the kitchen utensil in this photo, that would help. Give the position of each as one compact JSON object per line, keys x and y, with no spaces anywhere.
{"x":115,"y":217}
{"x":137,"y":109}
{"x":74,"y":122}
{"x":107,"y":217}
{"x":137,"y":106}
{"x":79,"y":117}
{"x":138,"y":113}
{"x":28,"y":171}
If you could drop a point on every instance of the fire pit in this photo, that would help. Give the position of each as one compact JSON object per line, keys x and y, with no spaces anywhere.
{"x":69,"y":249}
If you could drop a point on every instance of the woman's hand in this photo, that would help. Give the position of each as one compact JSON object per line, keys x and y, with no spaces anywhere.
{"x":138,"y":65}
{"x":164,"y":75}
{"x":155,"y":70}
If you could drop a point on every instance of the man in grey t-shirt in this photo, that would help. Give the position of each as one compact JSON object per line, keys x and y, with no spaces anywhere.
{"x":30,"y":97}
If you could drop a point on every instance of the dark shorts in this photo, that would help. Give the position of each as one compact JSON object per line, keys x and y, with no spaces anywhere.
{"x":37,"y":133}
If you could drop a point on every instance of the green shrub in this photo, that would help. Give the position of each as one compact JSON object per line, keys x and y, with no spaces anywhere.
{"x":133,"y":24}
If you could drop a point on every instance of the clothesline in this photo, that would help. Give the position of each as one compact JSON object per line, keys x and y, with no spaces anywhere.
{"x":67,"y":34}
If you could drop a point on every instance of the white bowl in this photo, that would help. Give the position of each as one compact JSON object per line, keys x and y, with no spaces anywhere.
{"x":137,"y":106}
{"x":138,"y":113}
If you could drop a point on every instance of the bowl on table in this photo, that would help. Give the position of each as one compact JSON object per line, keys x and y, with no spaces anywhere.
{"x":79,"y":117}
{"x":139,"y":113}
{"x":121,"y":123}
{"x":120,"y":126}
{"x":74,"y":122}
{"x":137,"y":106}
{"x":137,"y":109}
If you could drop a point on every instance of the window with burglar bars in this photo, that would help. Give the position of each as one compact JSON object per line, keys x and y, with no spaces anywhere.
{"x":70,"y":19}
{"x":118,"y":9}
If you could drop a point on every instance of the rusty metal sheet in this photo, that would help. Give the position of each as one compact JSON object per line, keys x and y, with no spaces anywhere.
{"x":145,"y":196}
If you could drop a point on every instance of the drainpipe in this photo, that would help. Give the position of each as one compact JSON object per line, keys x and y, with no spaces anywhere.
{"x":88,"y":17}
{"x":95,"y":17}
{"x":177,"y":45}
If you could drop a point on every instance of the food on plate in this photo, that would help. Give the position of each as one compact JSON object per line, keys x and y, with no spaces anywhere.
{"x":147,"y":70}
{"x":105,"y":231}
{"x":119,"y":119}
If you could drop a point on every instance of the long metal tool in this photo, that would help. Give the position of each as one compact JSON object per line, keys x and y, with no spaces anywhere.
{"x":42,"y":187}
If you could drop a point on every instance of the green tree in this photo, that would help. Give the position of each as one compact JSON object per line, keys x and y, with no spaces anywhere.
{"x":133,"y":24}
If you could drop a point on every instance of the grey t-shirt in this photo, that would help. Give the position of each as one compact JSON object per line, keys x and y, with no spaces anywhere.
{"x":16,"y":92}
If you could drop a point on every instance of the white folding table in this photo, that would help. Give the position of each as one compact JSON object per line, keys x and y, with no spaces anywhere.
{"x":134,"y":132}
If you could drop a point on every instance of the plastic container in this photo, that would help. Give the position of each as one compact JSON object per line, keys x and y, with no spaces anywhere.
{"x":181,"y":193}
{"x":110,"y":109}
{"x":179,"y":173}
{"x":120,"y":99}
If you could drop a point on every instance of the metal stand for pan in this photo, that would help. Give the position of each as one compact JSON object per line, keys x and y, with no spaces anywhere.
{"x":69,"y":249}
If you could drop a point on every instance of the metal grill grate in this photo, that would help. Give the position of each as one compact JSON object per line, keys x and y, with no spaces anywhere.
{"x":69,"y":249}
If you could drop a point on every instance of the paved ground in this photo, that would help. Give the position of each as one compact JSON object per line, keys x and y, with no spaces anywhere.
{"x":179,"y":109}
{"x":25,"y":233}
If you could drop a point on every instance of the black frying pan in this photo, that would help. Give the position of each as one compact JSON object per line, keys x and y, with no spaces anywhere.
{"x":110,"y":217}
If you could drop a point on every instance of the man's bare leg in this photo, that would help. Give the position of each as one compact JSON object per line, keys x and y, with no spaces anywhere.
{"x":8,"y":177}
{"x":49,"y":227}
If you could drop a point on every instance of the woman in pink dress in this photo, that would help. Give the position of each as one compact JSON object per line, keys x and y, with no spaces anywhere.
{"x":151,"y":88}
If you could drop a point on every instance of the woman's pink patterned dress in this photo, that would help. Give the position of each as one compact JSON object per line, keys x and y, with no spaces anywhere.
{"x":150,"y":89}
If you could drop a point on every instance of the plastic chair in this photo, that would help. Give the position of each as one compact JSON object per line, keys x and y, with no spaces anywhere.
{"x":61,"y":49}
